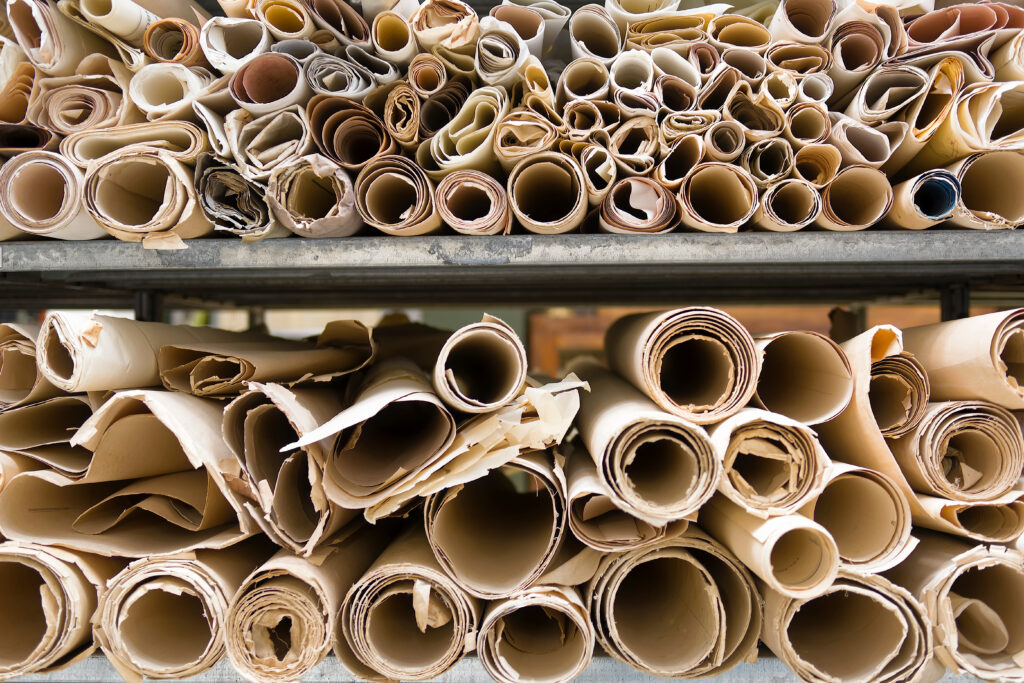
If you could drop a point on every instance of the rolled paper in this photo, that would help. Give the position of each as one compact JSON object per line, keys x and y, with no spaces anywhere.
{"x":400,"y":112}
{"x":668,"y":30}
{"x":427,"y":75}
{"x":44,"y":197}
{"x":724,"y":141}
{"x":179,"y":139}
{"x":768,"y":161}
{"x":674,"y":93}
{"x":145,"y":196}
{"x":347,"y":132}
{"x":438,"y":110}
{"x":718,"y":86}
{"x":174,"y":40}
{"x":760,"y":117}
{"x":635,"y":146}
{"x":865,"y":145}
{"x":976,"y":358}
{"x":497,"y":535}
{"x":815,"y":88}
{"x":403,"y":8}
{"x":877,"y":536}
{"x":53,"y":593}
{"x":425,"y":612}
{"x":342,"y":21}
{"x":330,"y":75}
{"x":547,"y":193}
{"x":481,"y":367}
{"x":233,"y":203}
{"x":718,"y":197}
{"x":264,"y":144}
{"x":501,"y":53}
{"x":1008,"y":60}
{"x":164,"y":617}
{"x":807,"y":123}
{"x":18,"y":138}
{"x":286,"y":19}
{"x":733,"y":30}
{"x":672,"y":60}
{"x":971,"y":596}
{"x":167,"y":91}
{"x":925,"y":200}
{"x":684,"y":607}
{"x":857,"y":198}
{"x":280,"y":622}
{"x":269,"y":82}
{"x":656,"y":466}
{"x":858,"y":46}
{"x":639,"y":205}
{"x":17,"y":93}
{"x":886,"y":92}
{"x":473,"y":203}
{"x":21,"y":383}
{"x":304,"y":50}
{"x":593,"y":33}
{"x":787,"y":206}
{"x":980,"y":206}
{"x":751,"y":66}
{"x":41,"y":432}
{"x":791,"y":554}
{"x":394,"y":195}
{"x":538,"y":89}
{"x":95,"y":97}
{"x":599,"y":170}
{"x":883,"y":623}
{"x":13,"y":464}
{"x":816,"y":164}
{"x":585,"y":78}
{"x":960,"y":20}
{"x":393,"y":39}
{"x":802,"y":21}
{"x":551,"y":12}
{"x":520,"y":134}
{"x":124,"y":18}
{"x":312,"y":197}
{"x":683,"y":157}
{"x":632,"y":70}
{"x":804,"y":376}
{"x":800,"y":60}
{"x":229,"y":43}
{"x":583,"y":118}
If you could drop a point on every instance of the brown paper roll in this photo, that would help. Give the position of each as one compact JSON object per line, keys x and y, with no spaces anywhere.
{"x":174,"y":40}
{"x":15,"y":139}
{"x":233,"y":203}
{"x":43,"y":431}
{"x":21,"y":383}
{"x":394,"y":195}
{"x":667,"y":29}
{"x":522,"y":133}
{"x":439,"y":109}
{"x":804,"y":375}
{"x":481,"y":367}
{"x":799,"y":59}
{"x":286,"y":19}
{"x":313,"y":197}
{"x":639,"y":205}
{"x":95,"y":97}
{"x":768,"y":161}
{"x":751,"y":65}
{"x":807,"y":123}
{"x":269,"y":82}
{"x":855,"y":199}
{"x":787,"y":206}
{"x":473,"y":203}
{"x":733,"y":30}
{"x":427,"y":74}
{"x":547,"y":193}
{"x":44,"y":197}
{"x":817,"y":164}
{"x":636,"y":146}
{"x":347,"y":132}
{"x":718,"y":197}
{"x":980,"y":206}
{"x":724,"y":141}
{"x":802,"y":21}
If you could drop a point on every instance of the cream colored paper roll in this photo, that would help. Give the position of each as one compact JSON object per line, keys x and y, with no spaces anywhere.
{"x":164,"y":617}
{"x":341,"y":20}
{"x":768,"y":161}
{"x":312,"y":197}
{"x":807,"y":123}
{"x":593,"y":33}
{"x":55,"y":44}
{"x":51,"y":594}
{"x":782,"y":87}
{"x":329,"y":75}
{"x":656,"y":466}
{"x":857,"y":198}
{"x":881,"y":622}
{"x":167,"y":91}
{"x":481,"y":367}
{"x":467,"y":140}
{"x":263,"y":144}
{"x":787,"y":206}
{"x":526,"y":21}
{"x":799,"y":59}
{"x":804,"y":375}
{"x":867,"y":516}
{"x":724,"y":141}
{"x":752,"y":66}
{"x":599,"y":169}
{"x":500,"y":54}
{"x":636,"y":146}
{"x":124,"y":18}
{"x":95,"y":97}
{"x":423,"y":608}
{"x":585,"y":78}
{"x":684,"y":607}
{"x":981,"y":206}
{"x":718,"y":197}
{"x":817,"y":164}
{"x":734,"y":30}
{"x":21,"y":383}
{"x":395,"y":196}
{"x":41,"y":432}
{"x":44,"y":197}
{"x":233,"y":203}
{"x":683,"y":157}
{"x":802,"y":21}
{"x":229,"y":43}
{"x":269,"y":82}
{"x":180,"y":139}
{"x":286,"y":19}
{"x":639,"y":205}
{"x":815,"y":88}
{"x":393,"y":39}
{"x":522,"y":133}
{"x":886,"y":91}
{"x":547,"y":193}
{"x":925,"y":200}
{"x":438,"y":110}
{"x":450,"y":23}
{"x":473,"y":203}
{"x":673,"y":30}
{"x":758,"y":114}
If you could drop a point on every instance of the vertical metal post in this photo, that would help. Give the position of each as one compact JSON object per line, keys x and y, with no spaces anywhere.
{"x":956,"y":301}
{"x":258,"y":319}
{"x":847,"y":322}
{"x":149,"y":306}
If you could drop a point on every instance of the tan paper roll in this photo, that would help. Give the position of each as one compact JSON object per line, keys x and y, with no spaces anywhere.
{"x":51,"y":595}
{"x":400,"y":112}
{"x":228,"y":43}
{"x":864,"y":628}
{"x":269,"y":82}
{"x":286,"y":19}
{"x":599,"y":169}
{"x":787,"y":206}
{"x":771,"y":465}
{"x":886,"y":92}
{"x":685,"y":607}
{"x":53,"y":43}
{"x":527,"y":23}
{"x":473,"y":203}
{"x":636,"y":146}
{"x":497,"y":535}
{"x":467,"y":140}
{"x":791,"y":554}
{"x":342,"y":20}
{"x":520,"y":134}
{"x":804,"y":375}
{"x":802,"y":21}
{"x":974,"y":358}
{"x":855,"y":199}
{"x":44,"y":197}
{"x":585,"y":78}
{"x":867,"y":515}
{"x":423,"y":609}
{"x":450,"y":23}
{"x":639,"y":205}
{"x":281,"y":620}
{"x":971,"y":595}
{"x":96,"y":96}
{"x":683,"y":157}
{"x":312,"y":197}
{"x":865,"y":145}
{"x":167,"y":91}
{"x":16,"y":139}
{"x":174,"y":40}
{"x":782,"y":87}
{"x":124,"y":18}
{"x":925,"y":200}
{"x":593,"y":33}
{"x":42,"y":432}
{"x":233,"y":203}
{"x":718,"y":197}
{"x":798,"y":59}
{"x":672,"y":30}
{"x":427,"y":74}
{"x":807,"y":123}
{"x":817,"y":164}
{"x":655,"y":465}
{"x":330,"y":75}
{"x":543,"y":633}
{"x":347,"y":132}
{"x":724,"y":141}
{"x":262,"y":145}
{"x":394,"y":195}
{"x":547,"y":193}
{"x":734,"y":30}
{"x":180,"y":139}
{"x":17,"y":93}
{"x":439,"y":109}
{"x":858,"y":47}
{"x":21,"y":383}
{"x":980,"y":206}
{"x":481,"y":367}
{"x":164,"y":617}
{"x":393,"y":39}
{"x":768,"y":161}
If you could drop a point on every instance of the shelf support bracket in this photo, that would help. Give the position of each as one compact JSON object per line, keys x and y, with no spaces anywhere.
{"x":956,"y":301}
{"x":149,"y":306}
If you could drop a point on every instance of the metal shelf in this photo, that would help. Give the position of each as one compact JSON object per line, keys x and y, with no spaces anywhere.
{"x":520,"y":269}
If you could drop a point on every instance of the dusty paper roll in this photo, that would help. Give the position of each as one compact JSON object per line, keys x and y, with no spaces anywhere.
{"x":787,"y":206}
{"x":42,"y":432}
{"x":520,"y":134}
{"x":882,"y":625}
{"x":51,"y":594}
{"x":547,"y":193}
{"x":972,"y":596}
{"x":21,"y":383}
{"x":467,"y":140}
{"x":655,"y":465}
{"x":53,"y":43}
{"x":174,"y":40}
{"x":164,"y":617}
{"x":685,"y":607}
{"x":329,"y":75}
{"x":817,"y":165}
{"x":101,"y":353}
{"x":681,"y":158}
{"x":17,"y":93}
{"x":804,"y":375}
{"x":263,"y":144}
{"x":698,"y":363}
{"x":861,"y":40}
{"x":473,"y":203}
{"x":44,"y":197}
{"x":543,"y":633}
{"x":855,"y":199}
{"x":394,"y":195}
{"x":639,"y":205}
{"x":312,"y":197}
{"x":802,"y":21}
{"x":771,"y":465}
{"x":925,"y":200}
{"x":974,"y":358}
{"x":269,"y":82}
{"x":94,"y":97}
{"x":481,"y":367}
{"x":981,"y":207}
{"x":593,"y":33}
{"x":497,"y":535}
{"x":180,"y":139}
{"x":449,"y":23}
{"x":233,"y":203}
{"x":866,"y":514}
{"x":718,"y":197}
{"x":168,"y":91}
{"x":791,"y":554}
{"x":280,"y":622}
{"x":286,"y":19}
{"x":347,"y":132}
{"x":228,"y":43}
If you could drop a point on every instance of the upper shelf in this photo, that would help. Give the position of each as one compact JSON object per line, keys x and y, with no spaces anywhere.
{"x":520,"y":269}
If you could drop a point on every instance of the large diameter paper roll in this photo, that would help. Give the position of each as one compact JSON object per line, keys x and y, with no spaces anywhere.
{"x":855,"y":199}
{"x":481,"y":367}
{"x":313,"y":197}
{"x":42,"y":432}
{"x":718,"y":197}
{"x":21,"y":383}
{"x":405,"y":603}
{"x":547,"y":193}
{"x":95,"y":97}
{"x":228,"y":43}
{"x":685,"y":607}
{"x":164,"y":617}
{"x":44,"y":197}
{"x":925,"y":200}
{"x":863,"y":628}
{"x":804,"y":375}
{"x":698,"y":363}
{"x":473,"y":203}
{"x":981,"y":206}
{"x":395,"y":196}
{"x":655,"y":465}
{"x":50,"y":595}
{"x":54,"y":43}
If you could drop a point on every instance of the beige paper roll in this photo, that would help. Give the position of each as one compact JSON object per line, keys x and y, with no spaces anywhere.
{"x":394,"y":195}
{"x":758,"y":114}
{"x":262,"y":145}
{"x":683,"y":157}
{"x":547,"y":192}
{"x":799,"y":59}
{"x":52,"y":42}
{"x":807,"y":123}
{"x":180,"y":139}
{"x":467,"y":140}
{"x":751,"y":65}
{"x":124,"y":18}
{"x":882,"y":625}
{"x":639,"y":205}
{"x":543,"y":633}
{"x":782,"y":87}
{"x":584,"y":118}
{"x":672,"y":30}
{"x":347,"y":132}
{"x":424,"y":611}
{"x":94,"y":97}
{"x":128,"y":52}
{"x":965,"y":19}
{"x":802,"y":21}
{"x":585,"y":78}
{"x":971,"y":595}
{"x":167,"y":91}
{"x":981,"y":207}
{"x":593,"y":33}
{"x":42,"y":432}
{"x":858,"y":46}
{"x":718,"y":197}
{"x":427,"y":75}
{"x":867,"y":515}
{"x":804,"y":375}
{"x":724,"y":141}
{"x":520,"y":134}
{"x":164,"y":617}
{"x":228,"y":43}
{"x":329,"y":75}
{"x":625,"y":13}
{"x":233,"y":203}
{"x":312,"y":197}
{"x":925,"y":200}
{"x":815,"y":88}
{"x":342,"y":20}
{"x":1008,"y":60}
{"x":392,"y":38}
{"x":473,"y":203}
{"x":886,"y":92}
{"x":685,"y":607}
{"x":269,"y":82}
{"x":450,"y":23}
{"x":17,"y":93}
{"x":768,"y":161}
{"x":281,"y":620}
{"x":286,"y":19}
{"x":21,"y":383}
{"x":855,"y":199}
{"x":734,"y":30}
{"x":787,"y":206}
{"x":817,"y":165}
{"x":865,"y":145}
{"x":51,"y":595}
{"x":481,"y":367}
{"x":399,"y":107}
{"x":174,"y":40}
{"x":44,"y":197}
{"x":636,"y":146}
